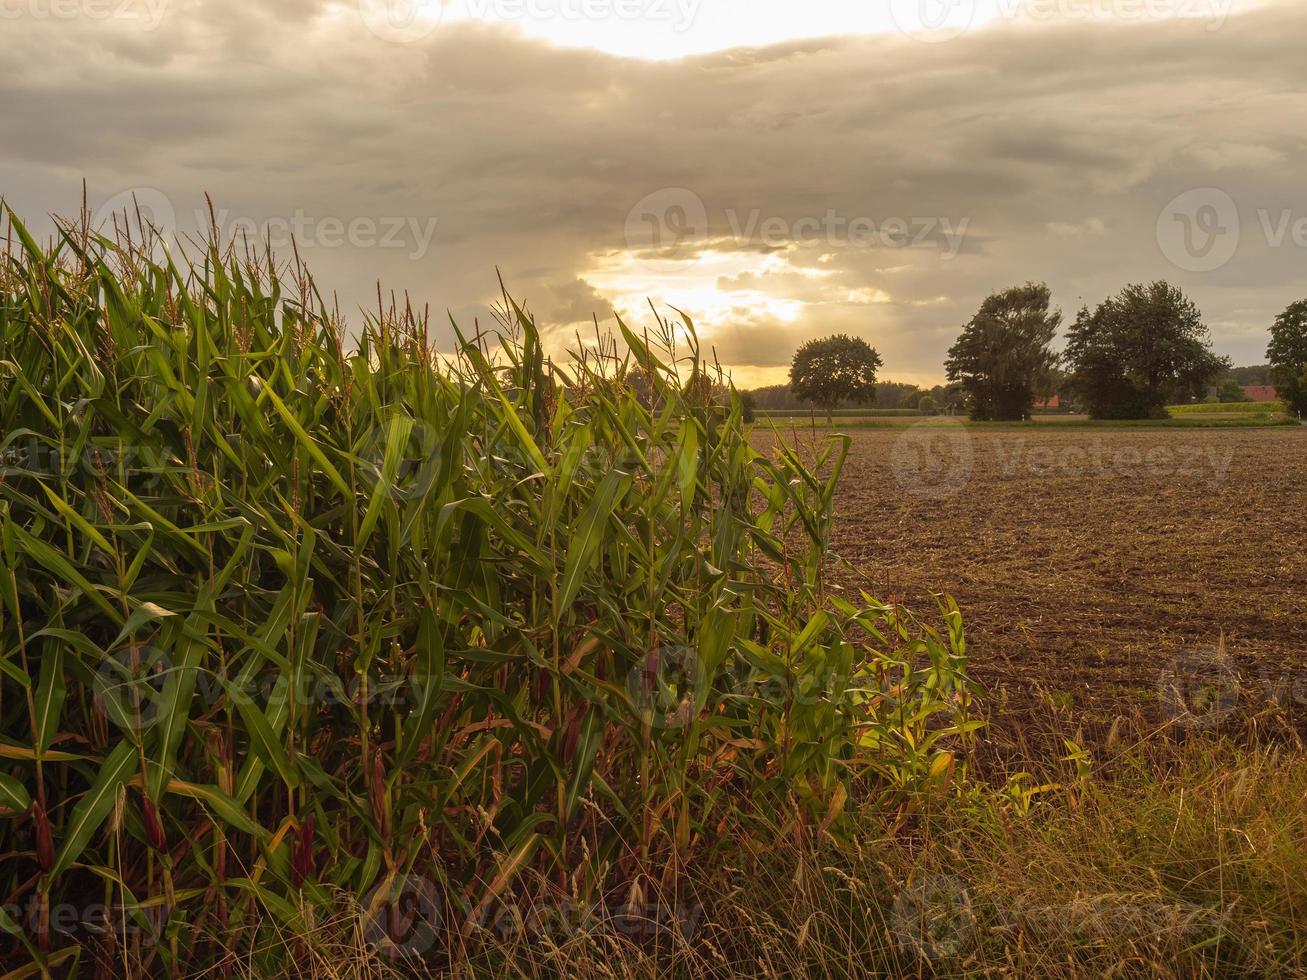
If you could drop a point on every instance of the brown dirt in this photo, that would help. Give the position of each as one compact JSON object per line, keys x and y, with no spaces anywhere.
{"x":1087,"y":561}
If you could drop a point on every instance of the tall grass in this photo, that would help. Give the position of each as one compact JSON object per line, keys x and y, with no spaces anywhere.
{"x":287,"y":617}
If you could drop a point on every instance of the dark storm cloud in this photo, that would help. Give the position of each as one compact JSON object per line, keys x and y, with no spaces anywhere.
{"x":1055,"y":148}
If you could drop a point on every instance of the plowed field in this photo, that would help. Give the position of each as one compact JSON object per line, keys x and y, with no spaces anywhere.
{"x":1093,"y":565}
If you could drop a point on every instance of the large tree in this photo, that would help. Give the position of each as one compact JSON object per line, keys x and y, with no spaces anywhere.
{"x":834,"y":370}
{"x":1139,"y":351}
{"x":1003,"y":360}
{"x":1288,"y":357}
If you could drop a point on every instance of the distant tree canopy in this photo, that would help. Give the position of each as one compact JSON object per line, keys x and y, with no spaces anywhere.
{"x":1139,"y":351}
{"x":889,"y":394}
{"x":1288,"y":357}
{"x":1256,"y":374}
{"x":834,"y":370}
{"x":1003,"y":360}
{"x":1231,"y":391}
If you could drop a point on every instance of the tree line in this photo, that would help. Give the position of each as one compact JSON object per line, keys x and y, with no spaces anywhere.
{"x":1137,"y":352}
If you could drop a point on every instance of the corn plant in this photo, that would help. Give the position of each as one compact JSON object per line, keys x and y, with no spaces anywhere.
{"x":289,"y":618}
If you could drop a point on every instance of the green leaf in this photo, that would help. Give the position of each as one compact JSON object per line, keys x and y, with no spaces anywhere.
{"x":429,"y":675}
{"x":49,"y":697}
{"x":92,"y":808}
{"x":263,"y":739}
{"x":589,"y":535}
{"x":13,"y":794}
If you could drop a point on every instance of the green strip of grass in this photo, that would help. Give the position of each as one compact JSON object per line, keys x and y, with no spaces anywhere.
{"x":1253,"y":422}
{"x":1228,"y":408}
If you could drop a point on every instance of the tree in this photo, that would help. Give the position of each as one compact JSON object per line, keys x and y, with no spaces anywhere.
{"x":834,"y":370}
{"x":1003,"y":359}
{"x":1288,"y":357}
{"x":1140,"y":351}
{"x":927,"y":405}
{"x":749,"y":407}
{"x":1231,"y":391}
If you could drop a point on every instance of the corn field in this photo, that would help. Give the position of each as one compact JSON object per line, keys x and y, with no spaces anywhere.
{"x":293,"y":616}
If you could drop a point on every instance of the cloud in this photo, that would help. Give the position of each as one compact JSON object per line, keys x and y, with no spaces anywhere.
{"x":829,"y":172}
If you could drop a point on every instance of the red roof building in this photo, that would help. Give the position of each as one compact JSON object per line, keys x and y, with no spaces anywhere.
{"x":1261,"y":393}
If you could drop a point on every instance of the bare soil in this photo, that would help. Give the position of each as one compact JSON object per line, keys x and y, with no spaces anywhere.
{"x":1089,"y":563}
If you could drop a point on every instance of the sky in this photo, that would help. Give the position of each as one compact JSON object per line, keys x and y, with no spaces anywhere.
{"x":777,"y":171}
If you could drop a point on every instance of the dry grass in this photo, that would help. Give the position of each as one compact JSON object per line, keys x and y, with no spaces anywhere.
{"x":1175,"y":860}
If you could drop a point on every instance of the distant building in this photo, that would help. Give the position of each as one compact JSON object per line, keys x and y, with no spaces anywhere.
{"x":1261,"y":393}
{"x":1049,"y":404}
